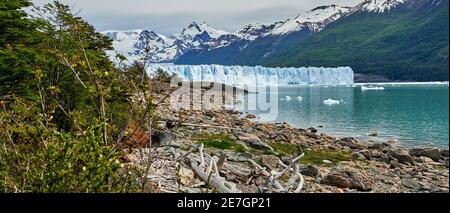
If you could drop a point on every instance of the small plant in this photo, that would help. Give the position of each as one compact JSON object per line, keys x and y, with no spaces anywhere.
{"x":239,"y":148}
{"x":283,"y":148}
{"x":313,"y":156}
{"x":162,"y":76}
{"x":219,"y":141}
{"x":316,"y":157}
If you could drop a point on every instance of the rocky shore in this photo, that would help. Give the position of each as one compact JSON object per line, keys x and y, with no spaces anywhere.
{"x":256,"y":157}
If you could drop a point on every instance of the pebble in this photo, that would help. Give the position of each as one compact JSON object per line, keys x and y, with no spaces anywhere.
{"x":327,"y":162}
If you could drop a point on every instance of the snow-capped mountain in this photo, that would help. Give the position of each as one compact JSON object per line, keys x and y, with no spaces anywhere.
{"x":132,"y":44}
{"x":377,"y":6}
{"x":255,"y":42}
{"x":256,"y":30}
{"x":383,"y":6}
{"x":315,"y":19}
{"x":199,"y":31}
{"x":202,"y":36}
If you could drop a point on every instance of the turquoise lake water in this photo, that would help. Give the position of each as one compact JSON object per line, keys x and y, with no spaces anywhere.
{"x":415,"y":115}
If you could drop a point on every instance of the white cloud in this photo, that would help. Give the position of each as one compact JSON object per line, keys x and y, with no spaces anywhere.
{"x":169,"y":16}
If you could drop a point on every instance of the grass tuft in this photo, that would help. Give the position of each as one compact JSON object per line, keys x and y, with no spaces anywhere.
{"x":219,"y":141}
{"x":314,"y":156}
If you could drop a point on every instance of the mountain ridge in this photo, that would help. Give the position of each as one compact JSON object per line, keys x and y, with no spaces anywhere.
{"x":204,"y":37}
{"x":376,"y":37}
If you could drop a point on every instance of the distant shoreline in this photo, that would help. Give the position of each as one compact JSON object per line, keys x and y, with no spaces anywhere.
{"x":405,"y":83}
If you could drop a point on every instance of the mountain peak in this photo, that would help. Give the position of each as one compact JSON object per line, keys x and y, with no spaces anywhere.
{"x":377,"y":6}
{"x":192,"y":24}
{"x":321,"y":13}
{"x":195,"y":29}
{"x":314,"y":19}
{"x":325,"y":7}
{"x":255,"y":30}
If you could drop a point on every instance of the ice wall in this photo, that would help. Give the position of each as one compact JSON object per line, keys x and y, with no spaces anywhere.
{"x":238,"y":75}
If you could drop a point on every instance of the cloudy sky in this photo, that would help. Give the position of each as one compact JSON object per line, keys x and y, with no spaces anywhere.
{"x":170,"y":16}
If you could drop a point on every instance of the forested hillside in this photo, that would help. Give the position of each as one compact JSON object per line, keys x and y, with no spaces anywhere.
{"x":407,"y":43}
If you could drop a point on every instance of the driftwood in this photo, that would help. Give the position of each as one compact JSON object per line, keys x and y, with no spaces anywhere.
{"x":209,"y":126}
{"x":208,"y":169}
{"x":272,"y":180}
{"x":266,"y":173}
{"x":208,"y":176}
{"x":297,"y":174}
{"x":242,"y":173}
{"x":214,"y":180}
{"x":221,"y":162}
{"x":202,"y":158}
{"x":302,"y":180}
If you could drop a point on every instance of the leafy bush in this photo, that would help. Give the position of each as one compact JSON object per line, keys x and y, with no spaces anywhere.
{"x":66,"y":133}
{"x":162,"y":76}
{"x":39,"y":159}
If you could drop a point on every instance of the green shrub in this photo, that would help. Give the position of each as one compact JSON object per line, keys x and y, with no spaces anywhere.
{"x":38,"y":159}
{"x":219,"y":141}
{"x":162,"y":76}
{"x":313,"y":156}
{"x":65,"y":131}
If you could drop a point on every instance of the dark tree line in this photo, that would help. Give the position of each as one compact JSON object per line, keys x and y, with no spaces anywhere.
{"x":65,"y":108}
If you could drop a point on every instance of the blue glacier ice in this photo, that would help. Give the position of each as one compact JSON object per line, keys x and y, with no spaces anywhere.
{"x":240,"y":75}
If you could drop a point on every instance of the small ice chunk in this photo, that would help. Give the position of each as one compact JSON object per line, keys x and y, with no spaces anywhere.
{"x":330,"y":102}
{"x":288,"y":98}
{"x":299,"y":98}
{"x":363,"y":88}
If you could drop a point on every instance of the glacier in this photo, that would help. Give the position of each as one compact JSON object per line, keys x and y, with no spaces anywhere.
{"x":248,"y":75}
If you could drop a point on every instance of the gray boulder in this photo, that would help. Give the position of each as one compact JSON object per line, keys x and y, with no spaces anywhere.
{"x":379,"y":146}
{"x":410,"y":184}
{"x":401,"y":155}
{"x":351,"y":143}
{"x":310,"y":171}
{"x":254,"y":141}
{"x":348,"y":177}
{"x":444,"y":153}
{"x":432,"y":153}
{"x":312,"y":129}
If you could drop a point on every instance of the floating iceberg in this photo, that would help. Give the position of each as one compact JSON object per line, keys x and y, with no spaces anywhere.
{"x":288,"y":98}
{"x":363,"y":88}
{"x":330,"y":102}
{"x":248,"y":75}
{"x":299,"y":98}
